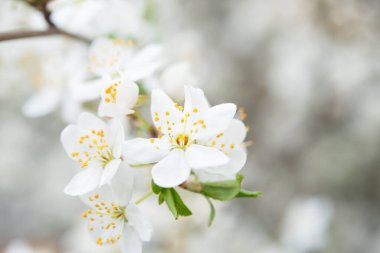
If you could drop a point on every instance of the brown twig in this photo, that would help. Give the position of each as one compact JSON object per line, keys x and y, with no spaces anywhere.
{"x":23,"y":34}
{"x":52,"y":30}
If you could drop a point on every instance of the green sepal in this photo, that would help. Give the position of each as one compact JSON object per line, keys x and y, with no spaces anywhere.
{"x":172,"y":199}
{"x":155,"y":188}
{"x":248,"y":194}
{"x":226,"y":190}
{"x":212,"y":212}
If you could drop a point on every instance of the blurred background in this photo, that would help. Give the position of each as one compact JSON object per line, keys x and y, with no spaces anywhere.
{"x":307,"y":74}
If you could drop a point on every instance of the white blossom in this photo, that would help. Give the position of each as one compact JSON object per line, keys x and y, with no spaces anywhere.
{"x":96,"y":147}
{"x":184,"y":143}
{"x":113,"y":219}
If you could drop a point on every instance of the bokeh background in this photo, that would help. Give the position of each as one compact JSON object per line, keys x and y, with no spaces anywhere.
{"x":307,"y":74}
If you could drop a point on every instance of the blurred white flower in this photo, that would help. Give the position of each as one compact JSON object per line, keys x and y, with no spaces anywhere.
{"x":99,"y":17}
{"x":120,"y":60}
{"x":117,"y":56}
{"x":173,"y":78}
{"x":112,"y":218}
{"x":185,"y":130}
{"x":56,"y":81}
{"x":306,"y":224}
{"x":18,"y":246}
{"x":96,"y":146}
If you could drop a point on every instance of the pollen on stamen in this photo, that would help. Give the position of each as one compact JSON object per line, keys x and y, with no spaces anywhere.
{"x":167,"y":113}
{"x":195,"y":110}
{"x":152,"y":140}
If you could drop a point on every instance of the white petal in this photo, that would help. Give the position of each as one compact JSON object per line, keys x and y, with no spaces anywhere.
{"x":198,"y":156}
{"x":84,"y":182}
{"x":217,"y":119}
{"x":106,"y":56}
{"x":139,"y":222}
{"x":205,"y":176}
{"x":235,"y":133}
{"x":125,"y":99}
{"x":42,"y":103}
{"x":238,"y":158}
{"x":195,"y":98}
{"x":118,"y":137}
{"x":145,"y":63}
{"x":172,"y":170}
{"x":90,"y":121}
{"x":122,"y":186}
{"x":96,"y":226}
{"x":109,"y":171}
{"x":69,"y":138}
{"x":104,"y":194}
{"x":166,"y":117}
{"x":129,"y":241}
{"x":175,"y":77}
{"x":144,"y":151}
{"x":88,"y":91}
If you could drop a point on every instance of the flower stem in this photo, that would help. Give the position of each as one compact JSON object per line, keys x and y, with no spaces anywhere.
{"x":146,"y":196}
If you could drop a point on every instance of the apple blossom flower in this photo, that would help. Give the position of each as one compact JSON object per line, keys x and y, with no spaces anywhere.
{"x":230,"y":142}
{"x":113,"y":219}
{"x":55,"y":86}
{"x":118,"y":97}
{"x":116,"y":59}
{"x":184,"y":143}
{"x":96,"y":147}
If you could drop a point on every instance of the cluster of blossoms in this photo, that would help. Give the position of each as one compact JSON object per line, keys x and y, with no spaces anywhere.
{"x":193,"y":146}
{"x":196,"y":146}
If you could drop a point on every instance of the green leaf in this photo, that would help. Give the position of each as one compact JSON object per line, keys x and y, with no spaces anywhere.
{"x":155,"y":188}
{"x":212,"y":212}
{"x":175,"y":203}
{"x":182,"y":209}
{"x":168,"y":197}
{"x":248,"y":194}
{"x":161,"y":199}
{"x":223,"y":190}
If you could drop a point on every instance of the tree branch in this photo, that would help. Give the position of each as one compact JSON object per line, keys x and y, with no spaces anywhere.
{"x":23,"y":34}
{"x":52,"y":30}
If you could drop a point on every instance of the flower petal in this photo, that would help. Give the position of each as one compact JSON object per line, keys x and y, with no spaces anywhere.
{"x":144,"y":151}
{"x":165,"y":115}
{"x":109,"y":171}
{"x":198,"y":156}
{"x":69,"y":138}
{"x":129,"y":241}
{"x":122,"y":186}
{"x":145,"y":63}
{"x":172,"y":170}
{"x":118,"y":137}
{"x":118,"y":99}
{"x":217,"y":119}
{"x":42,"y":103}
{"x":139,"y":222}
{"x":238,"y":158}
{"x":89,"y":121}
{"x":84,"y":182}
{"x":103,"y":229}
{"x":88,"y":91}
{"x":195,"y":98}
{"x":235,"y":133}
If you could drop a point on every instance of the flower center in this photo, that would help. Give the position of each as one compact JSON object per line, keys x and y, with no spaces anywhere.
{"x":95,"y":148}
{"x":182,"y":140}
